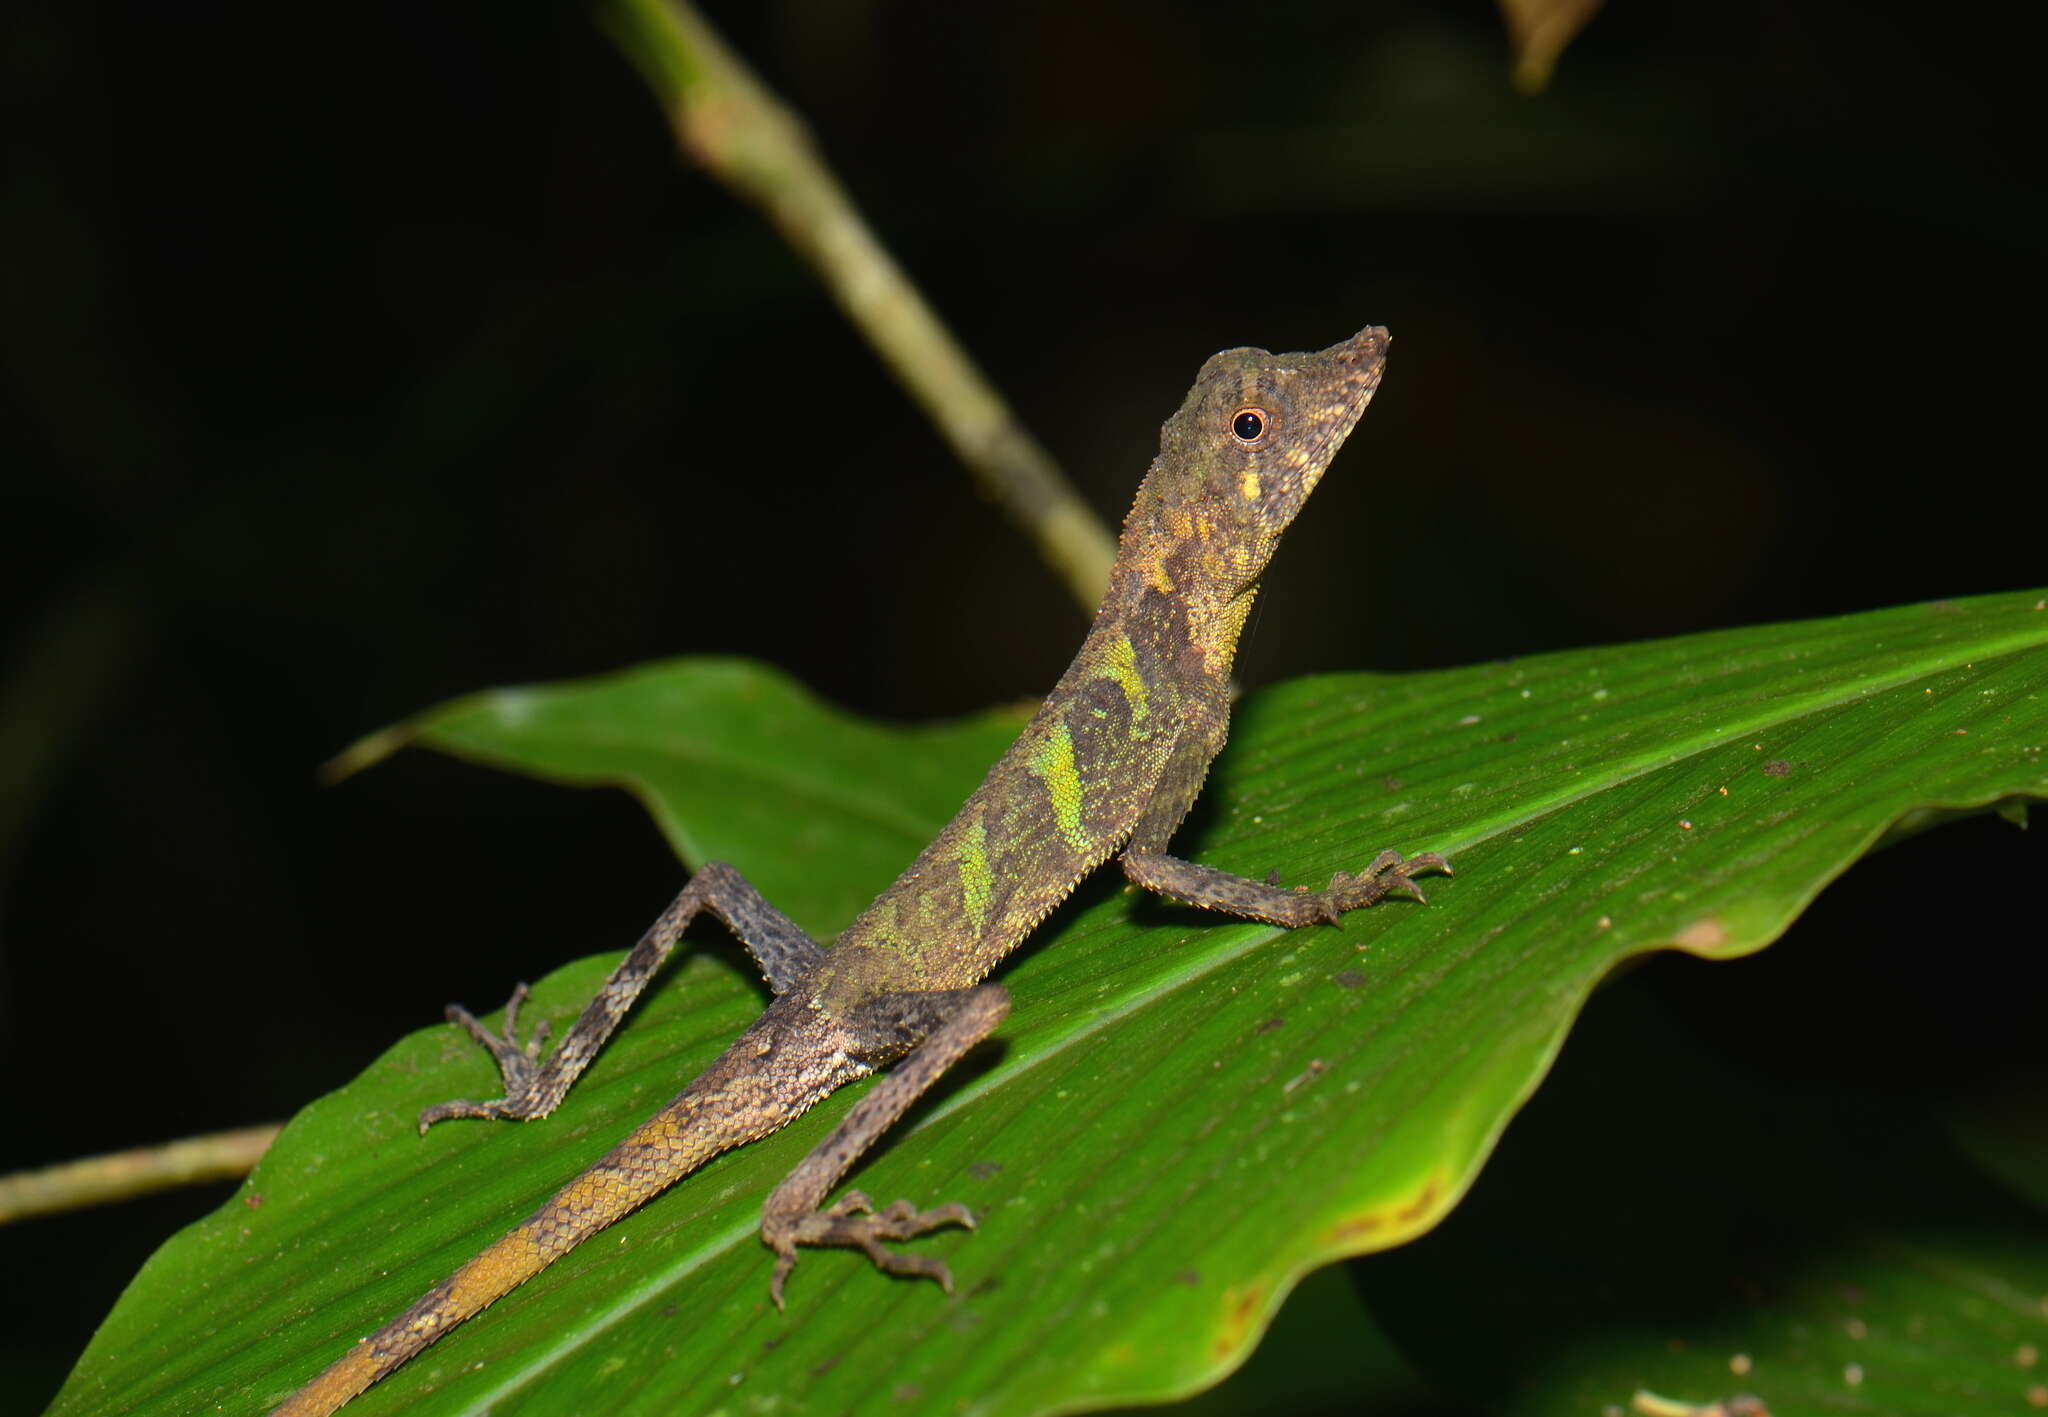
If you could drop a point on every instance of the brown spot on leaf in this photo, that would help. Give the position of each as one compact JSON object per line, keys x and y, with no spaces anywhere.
{"x":1777,"y":767}
{"x":1401,"y":1220}
{"x":983,"y":1170}
{"x":1355,"y":1227}
{"x":1240,"y":1316}
{"x":1347,"y":979}
{"x":1424,"y":1202}
{"x":1270,"y":1024}
{"x":1702,"y":936}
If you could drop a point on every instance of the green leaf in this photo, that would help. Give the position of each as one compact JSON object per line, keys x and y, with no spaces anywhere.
{"x":1184,"y":1114}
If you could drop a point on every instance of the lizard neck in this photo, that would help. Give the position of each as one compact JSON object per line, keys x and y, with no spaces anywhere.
{"x":1181,"y":590}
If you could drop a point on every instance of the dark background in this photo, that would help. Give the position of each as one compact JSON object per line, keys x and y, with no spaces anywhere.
{"x":360,"y":356}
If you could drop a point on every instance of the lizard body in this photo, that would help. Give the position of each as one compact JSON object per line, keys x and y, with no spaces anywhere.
{"x":1108,"y":766}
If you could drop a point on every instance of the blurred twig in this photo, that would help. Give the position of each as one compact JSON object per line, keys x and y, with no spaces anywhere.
{"x":728,"y":121}
{"x":1539,"y":31}
{"x":71,"y":661}
{"x":119,"y":1175}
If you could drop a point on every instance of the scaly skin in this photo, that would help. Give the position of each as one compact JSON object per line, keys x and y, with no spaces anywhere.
{"x":1108,"y":766}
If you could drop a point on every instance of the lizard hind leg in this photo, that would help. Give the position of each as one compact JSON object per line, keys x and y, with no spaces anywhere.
{"x":533,"y":1089}
{"x":853,"y":1221}
{"x":942,"y":1025}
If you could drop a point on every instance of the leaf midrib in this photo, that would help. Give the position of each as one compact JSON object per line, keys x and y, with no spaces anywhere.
{"x":1776,"y":713}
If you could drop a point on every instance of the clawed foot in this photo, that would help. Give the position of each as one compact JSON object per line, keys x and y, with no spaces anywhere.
{"x":518,"y":1065}
{"x":1388,"y":873}
{"x":853,"y":1221}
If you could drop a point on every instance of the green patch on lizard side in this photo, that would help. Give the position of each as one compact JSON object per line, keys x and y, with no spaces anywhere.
{"x":1052,"y":763}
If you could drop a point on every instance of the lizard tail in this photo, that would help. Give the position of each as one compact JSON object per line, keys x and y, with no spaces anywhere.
{"x":579,"y":1210}
{"x":662,"y":1150}
{"x":490,"y":1276}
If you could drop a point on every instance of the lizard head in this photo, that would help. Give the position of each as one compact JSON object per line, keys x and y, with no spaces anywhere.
{"x":1253,"y":438}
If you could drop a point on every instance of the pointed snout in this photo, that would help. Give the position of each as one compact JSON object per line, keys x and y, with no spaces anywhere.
{"x":1365,"y":351}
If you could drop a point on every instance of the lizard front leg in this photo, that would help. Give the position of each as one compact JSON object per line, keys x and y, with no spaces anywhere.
{"x":943,"y":1025}
{"x":1146,"y":862}
{"x":533,"y":1088}
{"x":1211,"y":889}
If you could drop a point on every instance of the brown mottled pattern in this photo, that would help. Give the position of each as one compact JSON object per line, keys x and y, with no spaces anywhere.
{"x":1111,"y":762}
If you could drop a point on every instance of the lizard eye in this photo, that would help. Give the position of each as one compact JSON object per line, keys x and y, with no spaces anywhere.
{"x":1248,"y":425}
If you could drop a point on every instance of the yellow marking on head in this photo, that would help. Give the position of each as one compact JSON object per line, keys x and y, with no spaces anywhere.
{"x":1248,"y":487}
{"x":976,"y":877}
{"x":1122,"y":668}
{"x":1052,"y":763}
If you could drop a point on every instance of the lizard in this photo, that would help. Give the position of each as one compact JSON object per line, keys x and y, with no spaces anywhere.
{"x":1109,"y":765}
